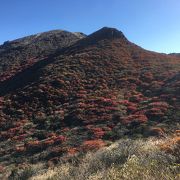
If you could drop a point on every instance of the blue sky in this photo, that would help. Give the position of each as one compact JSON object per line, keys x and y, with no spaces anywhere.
{"x":152,"y":24}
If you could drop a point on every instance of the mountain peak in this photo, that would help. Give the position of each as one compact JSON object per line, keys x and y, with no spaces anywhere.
{"x":102,"y":34}
{"x":108,"y":33}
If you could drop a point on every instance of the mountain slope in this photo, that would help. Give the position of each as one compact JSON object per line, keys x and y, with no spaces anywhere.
{"x":98,"y":89}
{"x":21,"y":53}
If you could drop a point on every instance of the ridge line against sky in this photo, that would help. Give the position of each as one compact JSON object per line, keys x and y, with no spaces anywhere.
{"x":153,"y":25}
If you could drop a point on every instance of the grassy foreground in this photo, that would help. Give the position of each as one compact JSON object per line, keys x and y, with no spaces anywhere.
{"x":126,"y":159}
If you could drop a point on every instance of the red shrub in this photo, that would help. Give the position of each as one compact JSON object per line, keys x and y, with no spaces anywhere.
{"x":141,"y":118}
{"x":20,"y":137}
{"x":48,"y":142}
{"x":52,"y":134}
{"x":33,"y":144}
{"x":124,"y":102}
{"x":93,"y":144}
{"x":72,"y":151}
{"x":59,"y":139}
{"x":98,"y":132}
{"x":131,"y":108}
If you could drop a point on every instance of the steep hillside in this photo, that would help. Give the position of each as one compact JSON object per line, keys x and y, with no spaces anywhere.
{"x":84,"y":96}
{"x":19,"y":54}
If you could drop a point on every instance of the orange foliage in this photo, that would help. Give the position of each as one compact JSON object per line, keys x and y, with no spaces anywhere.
{"x":177,"y":132}
{"x":72,"y":151}
{"x":59,"y":138}
{"x":93,"y":144}
{"x":48,"y":142}
{"x":172,"y":146}
{"x":156,"y":131}
{"x":32,"y":144}
{"x":98,"y":132}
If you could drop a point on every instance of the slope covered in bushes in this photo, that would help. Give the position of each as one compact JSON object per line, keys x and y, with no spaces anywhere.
{"x":17,"y":55}
{"x":95,"y":91}
{"x":126,"y":159}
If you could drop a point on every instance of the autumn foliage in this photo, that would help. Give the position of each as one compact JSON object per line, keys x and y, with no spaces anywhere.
{"x":100,"y":89}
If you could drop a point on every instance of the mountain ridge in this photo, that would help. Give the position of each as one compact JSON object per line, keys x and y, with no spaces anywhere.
{"x":103,"y":34}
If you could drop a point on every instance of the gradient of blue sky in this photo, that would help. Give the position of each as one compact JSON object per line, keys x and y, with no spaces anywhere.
{"x":152,"y":24}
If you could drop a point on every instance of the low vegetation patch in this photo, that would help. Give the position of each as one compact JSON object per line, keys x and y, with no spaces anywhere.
{"x":126,"y":159}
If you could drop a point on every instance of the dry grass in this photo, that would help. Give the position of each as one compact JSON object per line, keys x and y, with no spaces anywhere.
{"x":126,"y":159}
